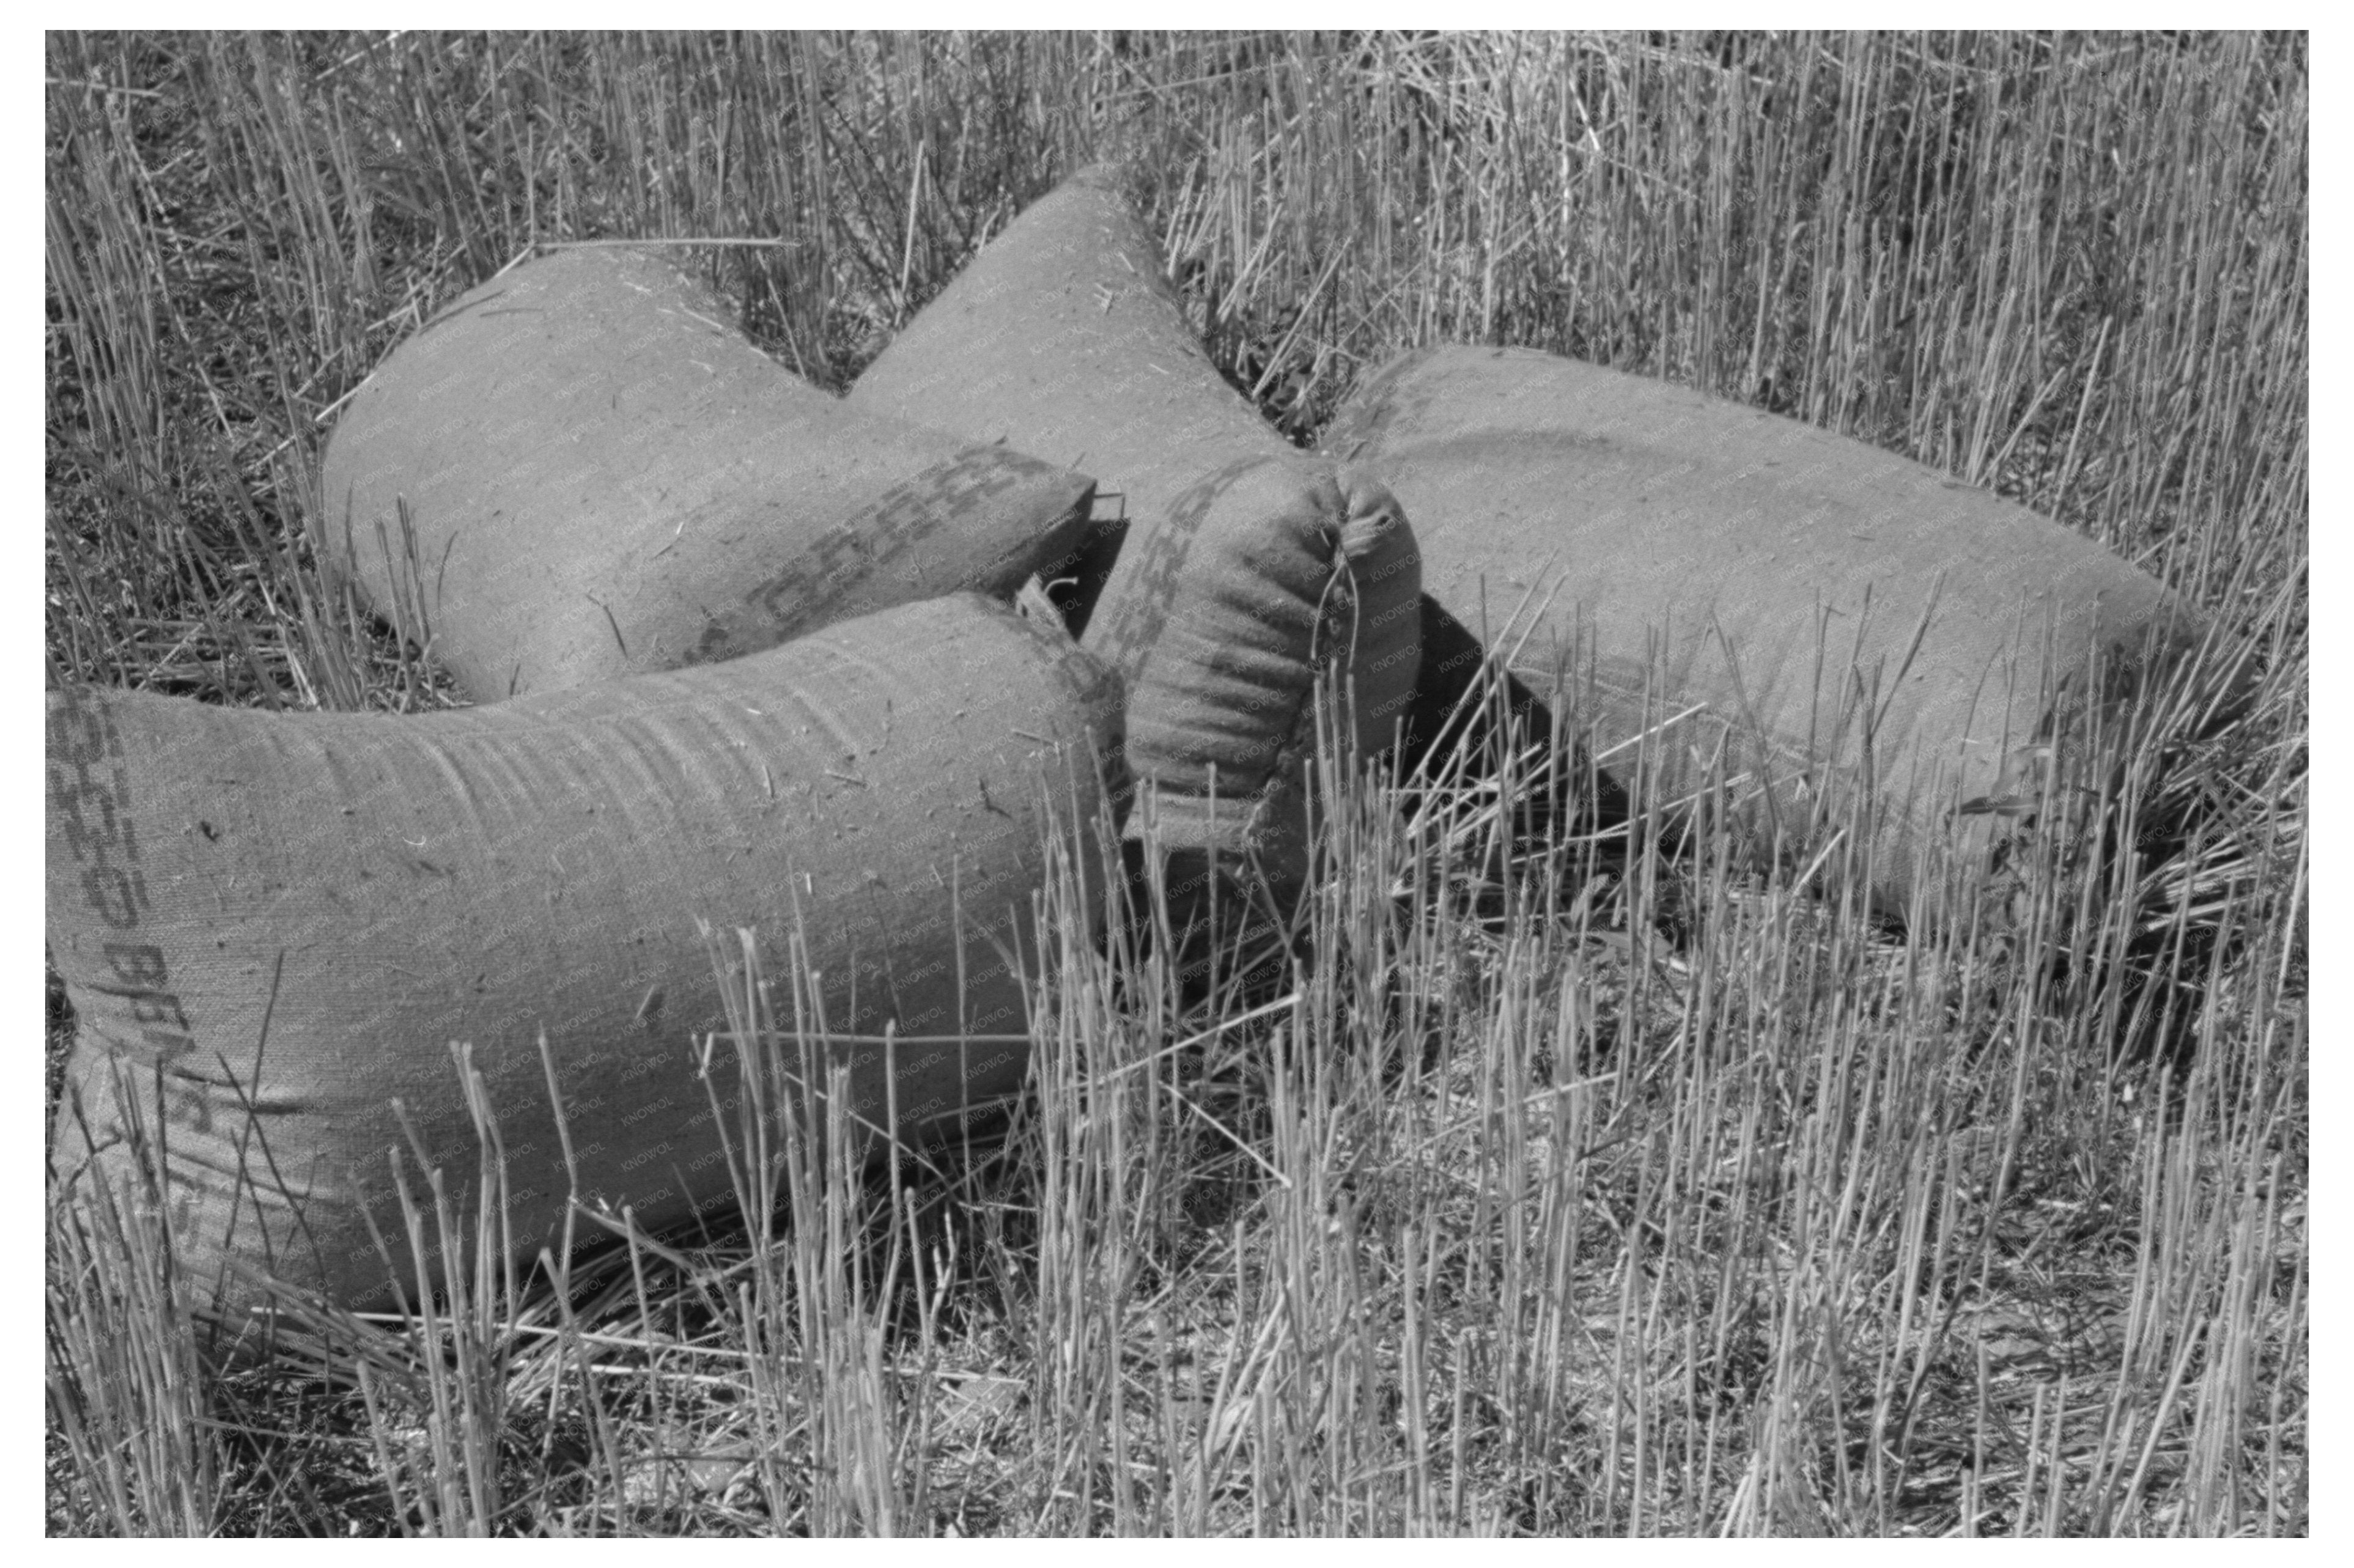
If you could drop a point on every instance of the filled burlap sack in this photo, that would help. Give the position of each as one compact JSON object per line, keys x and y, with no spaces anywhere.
{"x":1840,"y":618}
{"x":579,"y":471}
{"x":286,"y":919}
{"x":1246,"y":569}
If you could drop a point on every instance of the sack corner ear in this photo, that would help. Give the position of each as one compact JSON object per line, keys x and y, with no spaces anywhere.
{"x":1120,"y":162}
{"x":1365,"y":493}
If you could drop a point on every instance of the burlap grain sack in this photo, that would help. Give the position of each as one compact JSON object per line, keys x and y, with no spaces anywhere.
{"x":294,"y":915}
{"x":1245,"y":566}
{"x":579,"y":471}
{"x":1838,"y":615}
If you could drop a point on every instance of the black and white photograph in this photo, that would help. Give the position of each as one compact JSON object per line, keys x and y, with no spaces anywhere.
{"x":1036,"y":783}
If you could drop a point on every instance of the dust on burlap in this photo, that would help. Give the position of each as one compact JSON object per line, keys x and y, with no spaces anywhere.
{"x":1235,"y":571}
{"x":578,"y":470}
{"x":278,"y":923}
{"x":1742,"y":596}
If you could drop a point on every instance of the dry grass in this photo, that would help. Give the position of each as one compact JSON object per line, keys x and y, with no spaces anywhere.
{"x":1563,"y":1187}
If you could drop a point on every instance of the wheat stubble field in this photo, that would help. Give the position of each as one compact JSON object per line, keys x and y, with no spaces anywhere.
{"x":1566,"y":1186}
